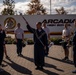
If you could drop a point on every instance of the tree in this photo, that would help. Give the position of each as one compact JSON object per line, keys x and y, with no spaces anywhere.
{"x":61,"y":11}
{"x":35,"y":8}
{"x":9,"y":6}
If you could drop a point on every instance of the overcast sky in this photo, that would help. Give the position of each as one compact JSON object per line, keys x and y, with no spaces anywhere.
{"x":22,"y":5}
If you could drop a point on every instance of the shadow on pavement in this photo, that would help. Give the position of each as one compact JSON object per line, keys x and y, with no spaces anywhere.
{"x":27,"y":58}
{"x":52,"y":66}
{"x":46,"y":65}
{"x":4,"y":73}
{"x":18,"y":68}
{"x":49,"y":72}
{"x":68,"y":62}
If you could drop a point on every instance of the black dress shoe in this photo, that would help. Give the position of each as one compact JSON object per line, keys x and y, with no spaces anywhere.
{"x":21,"y":55}
{"x":65,"y":59}
{"x":41,"y":68}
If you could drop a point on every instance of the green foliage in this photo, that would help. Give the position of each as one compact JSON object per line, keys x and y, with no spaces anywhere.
{"x":56,"y":41}
{"x":30,"y":42}
{"x":9,"y":40}
{"x":7,"y":12}
{"x":61,"y":11}
{"x":9,"y":7}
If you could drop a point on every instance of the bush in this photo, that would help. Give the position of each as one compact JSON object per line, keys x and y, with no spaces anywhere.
{"x":56,"y":41}
{"x":30,"y":42}
{"x":9,"y":40}
{"x":13,"y":41}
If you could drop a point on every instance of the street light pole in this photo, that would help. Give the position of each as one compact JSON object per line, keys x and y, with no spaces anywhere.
{"x":50,"y":6}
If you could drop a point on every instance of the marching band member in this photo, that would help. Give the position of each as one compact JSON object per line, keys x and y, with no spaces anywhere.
{"x":40,"y":44}
{"x":19,"y":36}
{"x":66,"y":39}
{"x":46,"y":29}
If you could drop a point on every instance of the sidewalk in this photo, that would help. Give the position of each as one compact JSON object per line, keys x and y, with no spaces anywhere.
{"x":25,"y":65}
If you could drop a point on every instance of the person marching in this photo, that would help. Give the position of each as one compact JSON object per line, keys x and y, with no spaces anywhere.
{"x":46,"y":29}
{"x":2,"y":37}
{"x":66,"y":39}
{"x":19,"y":36}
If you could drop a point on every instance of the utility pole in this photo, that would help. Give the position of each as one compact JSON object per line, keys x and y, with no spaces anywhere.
{"x":50,"y":6}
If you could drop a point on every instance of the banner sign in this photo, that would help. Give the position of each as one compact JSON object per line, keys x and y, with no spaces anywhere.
{"x":54,"y":22}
